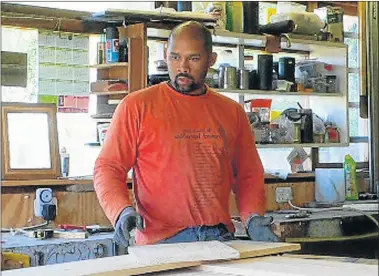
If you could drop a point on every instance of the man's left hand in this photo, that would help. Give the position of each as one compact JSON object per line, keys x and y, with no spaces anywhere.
{"x":259,"y":229}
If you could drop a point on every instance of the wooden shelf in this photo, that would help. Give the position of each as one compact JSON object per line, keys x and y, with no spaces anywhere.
{"x":45,"y":182}
{"x":109,"y":65}
{"x":110,"y":92}
{"x":231,"y":38}
{"x":305,"y":145}
{"x":49,"y":182}
{"x":281,"y":93}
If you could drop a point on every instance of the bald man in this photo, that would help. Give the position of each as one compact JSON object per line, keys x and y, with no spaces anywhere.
{"x":189,"y":147}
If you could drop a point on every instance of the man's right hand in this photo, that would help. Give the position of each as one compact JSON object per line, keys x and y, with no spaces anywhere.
{"x":127,"y":221}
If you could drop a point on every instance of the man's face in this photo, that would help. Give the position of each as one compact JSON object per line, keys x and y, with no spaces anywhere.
{"x":188,"y":62}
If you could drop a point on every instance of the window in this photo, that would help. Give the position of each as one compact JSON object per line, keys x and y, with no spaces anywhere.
{"x":358,"y":127}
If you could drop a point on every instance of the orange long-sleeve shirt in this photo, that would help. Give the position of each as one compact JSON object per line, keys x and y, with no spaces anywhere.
{"x":188,"y":153}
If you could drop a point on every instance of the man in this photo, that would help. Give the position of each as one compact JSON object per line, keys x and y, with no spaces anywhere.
{"x":189,"y":147}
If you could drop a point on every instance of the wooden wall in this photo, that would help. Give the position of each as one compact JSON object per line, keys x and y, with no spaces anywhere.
{"x":76,"y":208}
{"x":83,"y":208}
{"x":303,"y":193}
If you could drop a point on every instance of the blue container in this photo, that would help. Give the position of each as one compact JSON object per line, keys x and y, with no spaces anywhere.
{"x":112,"y":45}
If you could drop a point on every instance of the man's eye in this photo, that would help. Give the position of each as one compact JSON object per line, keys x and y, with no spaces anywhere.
{"x":174,"y":57}
{"x":195,"y":59}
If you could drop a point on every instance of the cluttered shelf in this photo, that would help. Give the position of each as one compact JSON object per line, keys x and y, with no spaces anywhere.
{"x":281,"y":93}
{"x":253,"y":40}
{"x":303,"y":145}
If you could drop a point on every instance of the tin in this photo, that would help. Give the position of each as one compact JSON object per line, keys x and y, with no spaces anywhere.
{"x":230,"y":77}
{"x":243,"y":79}
{"x":100,"y":52}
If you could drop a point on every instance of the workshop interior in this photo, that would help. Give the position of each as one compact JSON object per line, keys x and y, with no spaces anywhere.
{"x":306,"y":73}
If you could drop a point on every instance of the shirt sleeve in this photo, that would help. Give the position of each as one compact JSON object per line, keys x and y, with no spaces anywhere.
{"x":248,"y":172}
{"x":117,"y":157}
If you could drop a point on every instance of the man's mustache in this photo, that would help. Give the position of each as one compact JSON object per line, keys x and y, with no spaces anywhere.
{"x":185,"y":76}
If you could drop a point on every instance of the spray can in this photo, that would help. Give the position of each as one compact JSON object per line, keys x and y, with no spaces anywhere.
{"x":65,"y":162}
{"x":112,"y":44}
{"x":350,"y":172}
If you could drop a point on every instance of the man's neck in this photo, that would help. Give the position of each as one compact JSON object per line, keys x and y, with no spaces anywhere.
{"x":201,"y":91}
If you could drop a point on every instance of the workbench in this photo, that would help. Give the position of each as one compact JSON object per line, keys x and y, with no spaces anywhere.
{"x":211,"y":258}
{"x":320,"y":233}
{"x":57,"y":250}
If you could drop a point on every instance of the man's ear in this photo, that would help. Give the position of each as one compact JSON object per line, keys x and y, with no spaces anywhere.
{"x":212,"y":59}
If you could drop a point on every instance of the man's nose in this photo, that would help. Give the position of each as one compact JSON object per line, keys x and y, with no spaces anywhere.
{"x":183,"y":66}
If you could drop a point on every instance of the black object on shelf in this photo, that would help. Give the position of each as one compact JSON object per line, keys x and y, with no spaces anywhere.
{"x":287,"y":69}
{"x":265,"y":65}
{"x":278,"y":28}
{"x":251,"y":17}
{"x":306,"y":131}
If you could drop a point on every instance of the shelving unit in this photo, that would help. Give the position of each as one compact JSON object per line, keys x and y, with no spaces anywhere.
{"x":280,"y":93}
{"x":330,"y":106}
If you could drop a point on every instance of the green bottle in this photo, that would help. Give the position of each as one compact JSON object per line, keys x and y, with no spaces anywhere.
{"x":351,"y":185}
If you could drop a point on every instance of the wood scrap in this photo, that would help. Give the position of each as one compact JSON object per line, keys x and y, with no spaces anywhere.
{"x":186,"y":251}
{"x":249,"y":249}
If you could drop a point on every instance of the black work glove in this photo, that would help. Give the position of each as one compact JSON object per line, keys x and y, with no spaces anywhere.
{"x":127,"y":221}
{"x":259,"y":229}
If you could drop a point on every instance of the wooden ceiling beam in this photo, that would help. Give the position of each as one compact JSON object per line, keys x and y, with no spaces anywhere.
{"x":52,"y":24}
{"x":43,"y":11}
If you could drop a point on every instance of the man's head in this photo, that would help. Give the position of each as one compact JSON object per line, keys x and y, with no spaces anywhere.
{"x":189,"y":56}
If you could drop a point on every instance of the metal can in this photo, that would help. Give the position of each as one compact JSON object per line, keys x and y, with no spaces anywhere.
{"x":100,"y":52}
{"x":243,"y":79}
{"x":230,"y":77}
{"x":221,"y":76}
{"x":297,"y":132}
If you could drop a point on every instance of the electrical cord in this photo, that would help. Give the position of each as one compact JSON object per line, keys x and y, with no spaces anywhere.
{"x":316,"y":210}
{"x":15,"y":230}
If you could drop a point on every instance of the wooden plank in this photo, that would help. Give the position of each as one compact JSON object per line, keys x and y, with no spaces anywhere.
{"x":249,"y":249}
{"x":185,"y":252}
{"x":42,"y":11}
{"x":46,"y":182}
{"x":143,"y":259}
{"x":137,"y":36}
{"x":110,"y":266}
{"x":284,"y":266}
{"x":50,"y":23}
{"x":109,"y":65}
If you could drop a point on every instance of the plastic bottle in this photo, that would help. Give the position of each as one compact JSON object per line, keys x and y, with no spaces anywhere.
{"x":351,"y":185}
{"x":65,"y":162}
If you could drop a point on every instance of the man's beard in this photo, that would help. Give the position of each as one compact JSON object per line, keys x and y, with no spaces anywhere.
{"x":188,"y":89}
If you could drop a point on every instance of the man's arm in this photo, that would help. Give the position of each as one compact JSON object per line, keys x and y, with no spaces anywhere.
{"x":116,"y":158}
{"x":248,"y":172}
